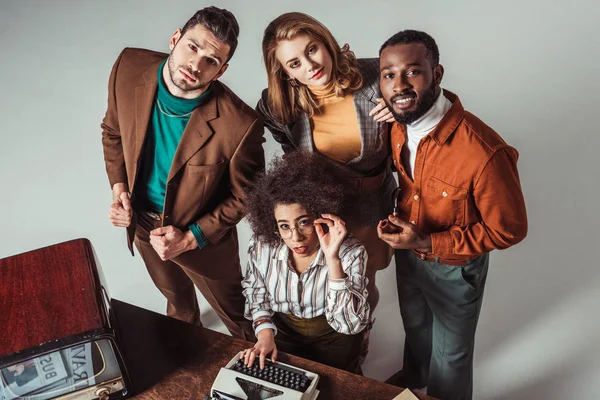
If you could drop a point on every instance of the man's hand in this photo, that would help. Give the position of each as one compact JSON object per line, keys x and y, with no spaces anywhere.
{"x":169,"y":242}
{"x":264,"y":346}
{"x":408,"y":236}
{"x":120,"y":211}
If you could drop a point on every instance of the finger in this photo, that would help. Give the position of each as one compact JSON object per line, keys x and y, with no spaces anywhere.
{"x":157,"y":240}
{"x":125,"y":200}
{"x":247,"y":356}
{"x":394,"y":219}
{"x":274,"y":354}
{"x":262,"y":360}
{"x":395,"y":240}
{"x":384,"y":116}
{"x":251,"y":357}
{"x":376,"y":109}
{"x":158,"y":231}
{"x":116,"y":215}
{"x":120,"y":223}
{"x":333,"y":217}
{"x":320,"y":231}
{"x":391,"y":118}
{"x":119,"y":213}
{"x":112,"y":213}
{"x":381,"y":114}
{"x":326,"y":221}
{"x":156,"y":245}
{"x":380,"y":226}
{"x":170,"y":230}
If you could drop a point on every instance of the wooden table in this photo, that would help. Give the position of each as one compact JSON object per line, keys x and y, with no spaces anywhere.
{"x":169,"y":359}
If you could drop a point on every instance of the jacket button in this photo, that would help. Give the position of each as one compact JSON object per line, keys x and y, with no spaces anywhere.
{"x":445,"y":194}
{"x":416,"y":197}
{"x":413,"y":222}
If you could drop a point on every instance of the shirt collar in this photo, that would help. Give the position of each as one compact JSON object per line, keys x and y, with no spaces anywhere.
{"x":446,"y":127}
{"x":283,"y":254}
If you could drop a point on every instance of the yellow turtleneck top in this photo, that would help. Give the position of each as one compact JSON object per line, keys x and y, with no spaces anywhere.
{"x":335,"y":128}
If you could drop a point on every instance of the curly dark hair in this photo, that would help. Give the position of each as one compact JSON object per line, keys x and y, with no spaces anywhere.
{"x":308,"y":179}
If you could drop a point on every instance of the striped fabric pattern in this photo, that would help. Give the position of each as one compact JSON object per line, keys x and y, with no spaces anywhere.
{"x":272,"y":285}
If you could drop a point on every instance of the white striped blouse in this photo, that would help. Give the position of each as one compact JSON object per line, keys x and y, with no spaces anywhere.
{"x":272,"y":285}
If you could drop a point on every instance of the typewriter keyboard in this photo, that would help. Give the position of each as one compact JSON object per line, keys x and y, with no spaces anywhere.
{"x":276,"y":373}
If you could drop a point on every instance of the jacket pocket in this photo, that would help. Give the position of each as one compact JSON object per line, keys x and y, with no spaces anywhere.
{"x":200,"y":182}
{"x":445,"y":203}
{"x":204,"y":169}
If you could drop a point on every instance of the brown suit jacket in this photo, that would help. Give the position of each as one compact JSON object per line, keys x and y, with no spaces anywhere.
{"x":219,"y":153}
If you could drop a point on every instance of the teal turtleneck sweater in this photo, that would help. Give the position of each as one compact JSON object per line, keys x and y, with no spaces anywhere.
{"x":170,"y":116}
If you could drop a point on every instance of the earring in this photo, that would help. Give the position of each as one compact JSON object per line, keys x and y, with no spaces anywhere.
{"x":293,"y":82}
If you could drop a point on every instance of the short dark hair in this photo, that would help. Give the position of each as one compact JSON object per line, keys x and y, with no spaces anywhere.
{"x":220,"y":22}
{"x":301,"y":178}
{"x":410,"y":36}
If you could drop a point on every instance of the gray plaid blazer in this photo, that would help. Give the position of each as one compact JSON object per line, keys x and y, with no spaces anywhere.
{"x":367,"y":208}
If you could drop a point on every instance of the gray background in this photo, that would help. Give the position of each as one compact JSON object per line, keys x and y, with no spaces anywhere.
{"x":527,"y":68}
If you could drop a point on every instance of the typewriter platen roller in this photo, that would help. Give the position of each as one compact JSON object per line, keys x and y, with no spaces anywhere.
{"x":277,"y":381}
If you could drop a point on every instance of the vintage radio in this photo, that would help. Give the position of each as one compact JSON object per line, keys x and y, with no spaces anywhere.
{"x":56,"y":327}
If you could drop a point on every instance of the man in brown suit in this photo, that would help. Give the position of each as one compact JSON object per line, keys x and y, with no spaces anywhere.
{"x":180,"y":149}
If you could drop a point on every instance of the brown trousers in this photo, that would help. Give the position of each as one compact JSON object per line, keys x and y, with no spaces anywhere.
{"x":379,"y":257}
{"x":314,"y":339}
{"x":176,"y":279}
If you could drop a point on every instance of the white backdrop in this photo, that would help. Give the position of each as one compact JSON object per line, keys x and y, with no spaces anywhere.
{"x":527,"y":68}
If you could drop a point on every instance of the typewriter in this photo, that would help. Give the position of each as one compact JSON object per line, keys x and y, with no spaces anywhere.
{"x":276,"y":380}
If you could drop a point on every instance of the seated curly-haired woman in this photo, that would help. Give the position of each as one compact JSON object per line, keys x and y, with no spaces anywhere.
{"x":305,"y":283}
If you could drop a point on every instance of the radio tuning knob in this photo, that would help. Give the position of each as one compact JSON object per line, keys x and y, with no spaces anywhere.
{"x":103,"y":393}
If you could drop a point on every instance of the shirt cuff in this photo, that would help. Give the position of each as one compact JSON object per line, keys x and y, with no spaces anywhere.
{"x":197,"y":232}
{"x":339,"y":283}
{"x":441,"y":244}
{"x":260,"y":314}
{"x":265,"y":325}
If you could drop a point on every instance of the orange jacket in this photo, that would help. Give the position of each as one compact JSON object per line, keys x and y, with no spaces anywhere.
{"x":466,"y":192}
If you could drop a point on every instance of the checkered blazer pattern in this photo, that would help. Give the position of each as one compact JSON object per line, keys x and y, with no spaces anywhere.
{"x":375,"y":156}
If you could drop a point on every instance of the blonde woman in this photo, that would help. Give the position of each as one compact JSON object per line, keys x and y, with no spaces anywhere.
{"x":320,"y":98}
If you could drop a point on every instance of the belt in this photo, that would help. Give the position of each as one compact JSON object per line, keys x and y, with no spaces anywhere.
{"x":435,"y":259}
{"x":368,"y":183}
{"x":152,"y":214}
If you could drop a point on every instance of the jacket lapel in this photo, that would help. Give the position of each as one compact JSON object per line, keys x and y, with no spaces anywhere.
{"x":365,"y":99}
{"x":300,"y":133}
{"x":144,"y":103}
{"x":196,"y":133}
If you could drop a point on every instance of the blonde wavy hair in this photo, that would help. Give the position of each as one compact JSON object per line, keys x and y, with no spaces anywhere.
{"x":287,"y":101}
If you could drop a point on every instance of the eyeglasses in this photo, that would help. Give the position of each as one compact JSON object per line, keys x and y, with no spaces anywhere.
{"x":304,"y":227}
